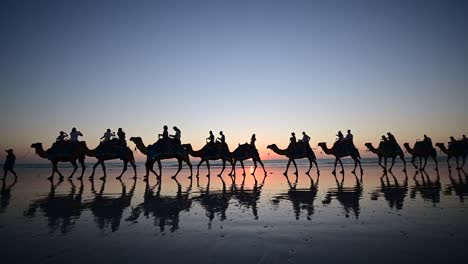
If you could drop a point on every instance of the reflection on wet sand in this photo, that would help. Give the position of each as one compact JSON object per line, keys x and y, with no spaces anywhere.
{"x":394,"y":193}
{"x":300,"y":198}
{"x":348,"y":197}
{"x":427,"y":188}
{"x":5,"y":194}
{"x":163,"y":208}
{"x":248,"y":197}
{"x":61,"y":210}
{"x":458,"y":185}
{"x":108,"y":210}
{"x":214,"y":202}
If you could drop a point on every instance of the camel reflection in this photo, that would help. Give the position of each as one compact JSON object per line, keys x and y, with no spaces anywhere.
{"x":302,"y":198}
{"x":458,"y":186}
{"x":61,"y":210}
{"x":108,"y":210}
{"x":348,"y":197}
{"x":5,"y":194}
{"x":248,"y":197}
{"x":214,"y":202}
{"x":428,"y":189}
{"x":394,"y":193}
{"x":164,"y":209}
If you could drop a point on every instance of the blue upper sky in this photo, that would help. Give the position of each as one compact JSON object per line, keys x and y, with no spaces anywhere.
{"x":264,"y":67}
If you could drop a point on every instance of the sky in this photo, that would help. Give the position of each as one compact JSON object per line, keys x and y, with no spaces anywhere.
{"x":243,"y":67}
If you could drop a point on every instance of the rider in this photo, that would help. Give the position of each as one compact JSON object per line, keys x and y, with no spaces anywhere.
{"x":384,"y":139}
{"x":121,"y":135}
{"x":292,"y":142}
{"x":176,"y":136}
{"x":252,"y":141}
{"x":107,"y":136}
{"x":305,"y":137}
{"x":452,"y":141}
{"x":62,"y":137}
{"x":340,"y":137}
{"x":74,"y":134}
{"x":210,"y":139}
{"x":222,"y":139}
{"x":165,"y":134}
{"x":427,"y":139}
{"x":349,"y":136}
{"x":9,"y":163}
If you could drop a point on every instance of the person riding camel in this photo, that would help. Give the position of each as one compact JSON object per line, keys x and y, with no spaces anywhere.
{"x":122,"y":137}
{"x":210,"y":139}
{"x":74,"y":134}
{"x":107,"y":136}
{"x":252,"y":141}
{"x":427,"y":139}
{"x":62,"y":137}
{"x":222,"y":139}
{"x":384,"y":139}
{"x":349,"y":136}
{"x":340,"y":137}
{"x":176,"y":136}
{"x":165,"y":133}
{"x":292,"y":142}
{"x":452,"y":142}
{"x":305,"y":138}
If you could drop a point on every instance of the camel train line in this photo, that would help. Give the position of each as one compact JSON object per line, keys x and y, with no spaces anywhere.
{"x":74,"y":151}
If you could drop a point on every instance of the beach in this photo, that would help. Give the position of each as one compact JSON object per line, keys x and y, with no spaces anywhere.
{"x":274,"y":219}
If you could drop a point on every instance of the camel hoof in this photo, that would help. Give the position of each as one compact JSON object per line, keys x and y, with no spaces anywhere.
{"x":145,"y":179}
{"x":342,"y":172}
{"x":103,"y":178}
{"x":353,"y":172}
{"x":307,"y":173}
{"x":285,"y":174}
{"x":173,"y":177}
{"x":80,"y":178}
{"x":50,"y":178}
{"x":119,"y":178}
{"x":134,"y":177}
{"x":296,"y":173}
{"x":318,"y":172}
{"x":70,"y":177}
{"x":190,"y":177}
{"x":334,"y":172}
{"x":61,"y":178}
{"x":219,"y":175}
{"x":208,"y":175}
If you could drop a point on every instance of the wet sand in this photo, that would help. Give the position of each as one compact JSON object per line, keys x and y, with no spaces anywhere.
{"x":382,"y":218}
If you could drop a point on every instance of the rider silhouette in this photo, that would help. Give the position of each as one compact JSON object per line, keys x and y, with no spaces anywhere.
{"x":107,"y":136}
{"x":210,"y":139}
{"x":62,"y":137}
{"x":427,"y":139}
{"x":121,"y":135}
{"x":222,"y":139}
{"x":165,"y":133}
{"x":340,"y":137}
{"x":292,"y":142}
{"x":252,"y":141}
{"x":176,"y":136}
{"x":74,"y":134}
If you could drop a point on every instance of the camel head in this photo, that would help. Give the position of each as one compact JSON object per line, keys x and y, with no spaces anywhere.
{"x":440,"y":145}
{"x":368,"y":145}
{"x":188,"y":147}
{"x":36,"y":145}
{"x":272,"y":146}
{"x":322,"y":144}
{"x":135,"y":139}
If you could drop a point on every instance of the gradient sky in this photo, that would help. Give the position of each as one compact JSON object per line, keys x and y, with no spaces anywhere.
{"x":264,"y":67}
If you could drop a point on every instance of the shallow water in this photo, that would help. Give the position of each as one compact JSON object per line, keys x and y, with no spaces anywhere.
{"x":413,"y":217}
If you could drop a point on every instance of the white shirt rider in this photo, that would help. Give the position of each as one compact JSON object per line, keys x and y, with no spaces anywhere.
{"x":74,"y":135}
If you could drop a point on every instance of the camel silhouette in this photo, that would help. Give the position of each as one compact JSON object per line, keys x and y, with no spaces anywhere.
{"x":422,"y":150}
{"x":110,"y":151}
{"x":386,"y":152}
{"x":300,"y":151}
{"x":62,"y":152}
{"x":212,"y":151}
{"x":340,"y":153}
{"x":153,"y":155}
{"x":244,"y":152}
{"x":457,"y":150}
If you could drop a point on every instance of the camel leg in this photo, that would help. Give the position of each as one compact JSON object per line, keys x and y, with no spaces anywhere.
{"x":355,"y":165}
{"x":342,"y":168}
{"x":243,"y":167}
{"x":385,"y":163}
{"x":123,"y":170}
{"x":104,"y":171}
{"x":334,"y":168}
{"x":380,"y":163}
{"x":54,"y":168}
{"x":295,"y":166}
{"x":222,"y":170}
{"x":434,"y":157}
{"x":287,"y":167}
{"x":208,"y":167}
{"x":448,"y":161}
{"x":310,"y":165}
{"x":413,"y":161}
{"x":255,"y":166}
{"x":393,"y":163}
{"x":316,"y":166}
{"x":179,"y":169}
{"x":360,"y":166}
{"x":457,"y":159}
{"x":75,"y":167}
{"x":148,"y":167}
{"x":234,"y":171}
{"x":134,"y":169}
{"x":425,"y":163}
{"x":263,"y":167}
{"x":94,"y":169}
{"x":151,"y":168}
{"x":198,"y":167}
{"x":190,"y":167}
{"x":160,"y":167}
{"x":402,"y":157}
{"x":83,"y":168}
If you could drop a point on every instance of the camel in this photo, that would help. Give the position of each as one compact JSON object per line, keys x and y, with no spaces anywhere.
{"x":244,"y":152}
{"x":385,"y":153}
{"x":63,"y":152}
{"x":153,"y":156}
{"x":354,"y":154}
{"x":212,"y":152}
{"x":110,"y":151}
{"x":456,"y":151}
{"x":422,"y":150}
{"x":300,"y":153}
